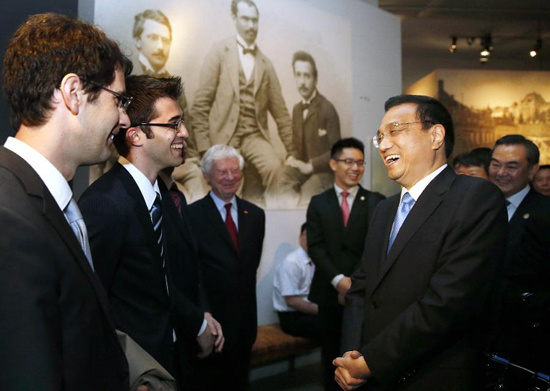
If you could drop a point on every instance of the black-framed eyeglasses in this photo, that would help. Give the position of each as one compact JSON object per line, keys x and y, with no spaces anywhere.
{"x":392,"y":130}
{"x":350,"y":162}
{"x":177,"y":125}
{"x":123,"y":101}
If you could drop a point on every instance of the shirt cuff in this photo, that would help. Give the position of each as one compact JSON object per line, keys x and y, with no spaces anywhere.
{"x":203,"y":327}
{"x":336,"y":280}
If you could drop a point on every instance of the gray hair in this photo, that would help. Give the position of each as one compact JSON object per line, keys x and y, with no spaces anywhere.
{"x":219,"y":152}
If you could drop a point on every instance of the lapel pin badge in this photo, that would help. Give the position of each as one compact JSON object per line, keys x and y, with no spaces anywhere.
{"x":245,"y":212}
{"x":362,"y":198}
{"x":526,"y":216}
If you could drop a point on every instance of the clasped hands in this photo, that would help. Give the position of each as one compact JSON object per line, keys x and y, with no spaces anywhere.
{"x":351,"y":371}
{"x":303,"y":167}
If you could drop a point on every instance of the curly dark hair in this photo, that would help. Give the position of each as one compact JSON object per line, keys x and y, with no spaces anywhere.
{"x":42,"y":51}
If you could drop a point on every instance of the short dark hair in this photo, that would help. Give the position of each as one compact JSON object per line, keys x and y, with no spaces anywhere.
{"x":429,"y":111}
{"x":46,"y":48}
{"x":305,"y":56}
{"x":146,"y":90}
{"x":532,"y":151}
{"x":156,"y":15}
{"x":478,"y":157}
{"x":234,"y":4}
{"x":544,"y":167}
{"x":303,"y":228}
{"x":350,"y":142}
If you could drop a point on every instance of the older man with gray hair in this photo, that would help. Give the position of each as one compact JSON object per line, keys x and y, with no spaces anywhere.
{"x":230,"y":233}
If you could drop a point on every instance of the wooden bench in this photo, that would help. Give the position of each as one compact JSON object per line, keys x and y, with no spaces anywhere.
{"x":274,"y":345}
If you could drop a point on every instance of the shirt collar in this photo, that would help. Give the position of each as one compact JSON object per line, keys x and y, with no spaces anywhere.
{"x":53,"y":179}
{"x":148,"y":191}
{"x":220,"y":204}
{"x":352,"y":190}
{"x":145,"y":62}
{"x":308,"y":102}
{"x":517,"y":198}
{"x":421,"y":185}
{"x":304,"y":255}
{"x":242,"y":42}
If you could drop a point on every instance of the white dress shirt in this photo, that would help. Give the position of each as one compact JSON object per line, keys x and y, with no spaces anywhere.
{"x":247,"y":60}
{"x":220,"y":205}
{"x":515,"y":200}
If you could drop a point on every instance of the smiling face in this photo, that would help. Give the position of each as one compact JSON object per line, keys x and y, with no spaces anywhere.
{"x":154,"y":43}
{"x":305,"y":81}
{"x":103,"y":119}
{"x":412,"y":153}
{"x":345,"y":175}
{"x":246,"y":22}
{"x":167,"y":146}
{"x":510,"y":170}
{"x":225,"y":178}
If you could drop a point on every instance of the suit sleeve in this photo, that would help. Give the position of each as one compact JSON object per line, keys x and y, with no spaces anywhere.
{"x":331,"y":123}
{"x":30,"y":353}
{"x":277,"y":108}
{"x":208,"y":85}
{"x":459,"y":286}
{"x":317,"y":242}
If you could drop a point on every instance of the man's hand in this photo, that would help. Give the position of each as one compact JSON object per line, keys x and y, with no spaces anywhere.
{"x":351,"y":371}
{"x":206,"y":343}
{"x":343,"y":285}
{"x":216,"y":330}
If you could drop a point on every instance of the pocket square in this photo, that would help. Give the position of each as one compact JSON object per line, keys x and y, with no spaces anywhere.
{"x":322,"y":132}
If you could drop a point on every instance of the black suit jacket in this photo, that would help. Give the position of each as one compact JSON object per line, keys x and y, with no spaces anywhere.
{"x":315,"y":135}
{"x":229,"y":277}
{"x":412,"y":312}
{"x":55,"y":333}
{"x":128,"y":262}
{"x":333,"y":248}
{"x":525,"y":323}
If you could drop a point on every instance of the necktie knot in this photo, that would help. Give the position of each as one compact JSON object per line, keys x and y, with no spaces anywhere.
{"x":305,"y":106}
{"x":247,"y":50}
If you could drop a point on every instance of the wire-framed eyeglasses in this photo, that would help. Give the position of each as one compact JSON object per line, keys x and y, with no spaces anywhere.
{"x":392,"y":130}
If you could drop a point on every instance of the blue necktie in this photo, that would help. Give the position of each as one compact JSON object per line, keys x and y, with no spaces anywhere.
{"x":406,"y":204}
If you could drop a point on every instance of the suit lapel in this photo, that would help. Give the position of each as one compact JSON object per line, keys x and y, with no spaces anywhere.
{"x":426,"y":204}
{"x":36,"y":188}
{"x":233,"y":64}
{"x":313,"y":107}
{"x":259,"y":70}
{"x":358,"y":208}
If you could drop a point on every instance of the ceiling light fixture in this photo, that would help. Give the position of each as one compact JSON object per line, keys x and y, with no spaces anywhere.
{"x":536,"y":49}
{"x":452,"y":49}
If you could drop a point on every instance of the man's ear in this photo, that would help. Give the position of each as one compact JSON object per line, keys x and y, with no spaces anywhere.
{"x":438,"y":136}
{"x":332,"y":163}
{"x":134,"y":136}
{"x":72,"y":92}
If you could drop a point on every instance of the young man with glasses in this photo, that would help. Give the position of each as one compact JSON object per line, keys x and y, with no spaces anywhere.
{"x":337,"y":224}
{"x":56,"y":331}
{"x":418,"y":298}
{"x":146,"y":255}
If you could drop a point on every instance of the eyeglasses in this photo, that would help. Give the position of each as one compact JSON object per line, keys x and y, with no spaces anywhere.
{"x":351,"y":162}
{"x":174,"y":125}
{"x":393,"y":130}
{"x":123,"y":101}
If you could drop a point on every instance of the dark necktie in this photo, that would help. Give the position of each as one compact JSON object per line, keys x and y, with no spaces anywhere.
{"x":231,"y":227}
{"x":345,"y":207}
{"x":406,"y":204}
{"x":156,"y":218}
{"x":176,"y":196}
{"x":305,"y":106}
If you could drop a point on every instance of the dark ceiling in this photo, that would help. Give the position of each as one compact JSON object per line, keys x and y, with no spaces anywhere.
{"x":427,"y":26}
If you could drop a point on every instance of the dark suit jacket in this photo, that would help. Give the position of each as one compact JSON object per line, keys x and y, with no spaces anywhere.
{"x":413,"y":312}
{"x":229,"y":277}
{"x":128,"y":262}
{"x":55,"y":333}
{"x":215,"y":109}
{"x":333,"y":248}
{"x":527,"y":270}
{"x":314,"y":136}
